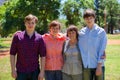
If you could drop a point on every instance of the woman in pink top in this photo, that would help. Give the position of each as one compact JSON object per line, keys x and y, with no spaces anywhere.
{"x":54,"y":61}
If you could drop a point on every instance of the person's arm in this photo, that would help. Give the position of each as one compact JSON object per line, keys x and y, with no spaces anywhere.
{"x":99,"y":69}
{"x":12,"y":62}
{"x":103,"y":56}
{"x":102,"y":47}
{"x":13,"y":51}
{"x":42,"y":51}
{"x":41,"y":75}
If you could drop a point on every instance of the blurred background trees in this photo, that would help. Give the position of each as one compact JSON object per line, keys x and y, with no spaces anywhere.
{"x":12,"y":13}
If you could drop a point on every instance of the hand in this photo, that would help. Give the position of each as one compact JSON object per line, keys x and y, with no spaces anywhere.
{"x":99,"y":71}
{"x":14,"y":74}
{"x":41,"y":76}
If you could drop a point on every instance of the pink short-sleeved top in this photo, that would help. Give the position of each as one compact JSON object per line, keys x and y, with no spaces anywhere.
{"x":54,"y":59}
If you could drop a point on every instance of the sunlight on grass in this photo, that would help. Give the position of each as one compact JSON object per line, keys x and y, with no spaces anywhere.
{"x":5,"y":69}
{"x":112,"y":62}
{"x":114,"y":36}
{"x":5,"y":43}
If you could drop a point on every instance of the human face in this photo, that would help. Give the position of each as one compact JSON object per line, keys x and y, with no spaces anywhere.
{"x":54,"y":30}
{"x":72,"y":35}
{"x":30,"y":25}
{"x":89,"y":21}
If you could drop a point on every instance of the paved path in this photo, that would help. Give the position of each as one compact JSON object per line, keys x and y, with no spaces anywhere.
{"x":113,"y":42}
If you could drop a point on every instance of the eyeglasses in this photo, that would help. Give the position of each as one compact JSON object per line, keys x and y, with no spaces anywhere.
{"x":54,"y":28}
{"x":89,"y":18}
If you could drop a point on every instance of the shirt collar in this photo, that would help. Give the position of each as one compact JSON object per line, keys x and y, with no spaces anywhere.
{"x":25,"y":33}
{"x":93,"y":28}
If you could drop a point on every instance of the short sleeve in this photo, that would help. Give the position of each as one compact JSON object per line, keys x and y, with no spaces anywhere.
{"x":42,"y":48}
{"x":13,"y":48}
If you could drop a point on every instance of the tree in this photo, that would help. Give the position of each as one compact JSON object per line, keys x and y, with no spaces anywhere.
{"x":45,"y":10}
{"x":72,"y":12}
{"x":100,"y":12}
{"x":5,"y":7}
{"x":113,"y":10}
{"x":73,"y":9}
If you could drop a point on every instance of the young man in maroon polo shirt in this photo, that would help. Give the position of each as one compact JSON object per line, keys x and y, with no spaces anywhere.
{"x":25,"y":50}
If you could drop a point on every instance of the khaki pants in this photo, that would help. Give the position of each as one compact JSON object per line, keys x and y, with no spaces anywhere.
{"x":72,"y":77}
{"x":89,"y":74}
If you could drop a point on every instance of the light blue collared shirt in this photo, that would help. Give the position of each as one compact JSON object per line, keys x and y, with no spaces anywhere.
{"x":92,"y":43}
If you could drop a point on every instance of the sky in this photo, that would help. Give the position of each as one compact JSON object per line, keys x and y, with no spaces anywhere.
{"x":1,"y":2}
{"x":119,"y":1}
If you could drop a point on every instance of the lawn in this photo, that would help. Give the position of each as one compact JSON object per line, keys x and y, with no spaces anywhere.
{"x":5,"y":73}
{"x":112,"y":63}
{"x":5,"y":43}
{"x":114,"y":36}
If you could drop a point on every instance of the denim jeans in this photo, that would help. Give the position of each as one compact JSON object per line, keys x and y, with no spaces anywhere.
{"x":28,"y":76}
{"x":53,"y":75}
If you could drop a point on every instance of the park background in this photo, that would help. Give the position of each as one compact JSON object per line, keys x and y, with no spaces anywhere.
{"x":12,"y":13}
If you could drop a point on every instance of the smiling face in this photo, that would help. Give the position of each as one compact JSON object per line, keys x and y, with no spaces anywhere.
{"x":72,"y":35}
{"x":72,"y":32}
{"x":30,"y":25}
{"x":54,"y":30}
{"x":30,"y":22}
{"x":54,"y":27}
{"x":89,"y":21}
{"x":89,"y":17}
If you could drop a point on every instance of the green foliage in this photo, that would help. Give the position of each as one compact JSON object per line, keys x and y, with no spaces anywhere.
{"x":72,"y":12}
{"x":99,"y":8}
{"x":113,"y":12}
{"x":12,"y":13}
{"x":7,"y":20}
{"x":45,"y":10}
{"x":73,"y":9}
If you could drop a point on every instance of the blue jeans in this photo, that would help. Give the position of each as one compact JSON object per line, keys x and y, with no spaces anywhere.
{"x":28,"y":76}
{"x":53,"y":75}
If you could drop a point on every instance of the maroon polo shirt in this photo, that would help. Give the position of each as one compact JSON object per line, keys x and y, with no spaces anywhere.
{"x":27,"y":50}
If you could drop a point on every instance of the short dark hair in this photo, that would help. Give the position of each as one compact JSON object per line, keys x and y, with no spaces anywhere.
{"x":73,"y":28}
{"x":88,"y":13}
{"x":31,"y":17}
{"x":55,"y":23}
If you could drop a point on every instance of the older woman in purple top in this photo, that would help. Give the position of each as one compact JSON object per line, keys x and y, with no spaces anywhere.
{"x":27,"y":46}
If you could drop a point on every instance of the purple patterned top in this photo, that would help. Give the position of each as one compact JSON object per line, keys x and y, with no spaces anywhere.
{"x":27,"y":50}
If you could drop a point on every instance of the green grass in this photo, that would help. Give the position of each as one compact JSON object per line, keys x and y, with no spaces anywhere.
{"x":5,"y":43}
{"x":114,"y":36}
{"x":5,"y":39}
{"x":113,"y":62}
{"x":5,"y":73}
